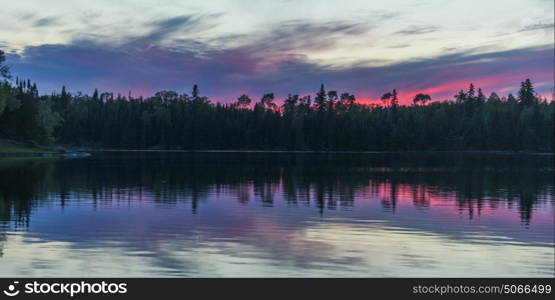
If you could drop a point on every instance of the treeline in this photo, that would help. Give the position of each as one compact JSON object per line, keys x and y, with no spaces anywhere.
{"x":24,"y":116}
{"x":327,"y":121}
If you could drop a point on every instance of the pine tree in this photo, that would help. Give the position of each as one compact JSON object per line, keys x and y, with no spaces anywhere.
{"x":195,"y":92}
{"x":95,"y":94}
{"x":526,"y":94}
{"x":394,"y":100}
{"x":320,"y":99}
{"x":470,"y":94}
{"x":64,"y":98}
{"x":481,"y":98}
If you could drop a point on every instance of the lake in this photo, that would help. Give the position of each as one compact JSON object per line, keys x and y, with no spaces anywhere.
{"x":172,"y":214}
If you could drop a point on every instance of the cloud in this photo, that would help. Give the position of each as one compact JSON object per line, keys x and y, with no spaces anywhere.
{"x":161,"y":30}
{"x":399,"y":46}
{"x":418,"y":30}
{"x":27,"y":16}
{"x":537,"y":26}
{"x":48,"y":21}
{"x":299,"y":35}
{"x":265,"y":61}
{"x":37,"y":21}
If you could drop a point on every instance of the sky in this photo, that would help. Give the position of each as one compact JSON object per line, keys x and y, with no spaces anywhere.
{"x":282,"y":46}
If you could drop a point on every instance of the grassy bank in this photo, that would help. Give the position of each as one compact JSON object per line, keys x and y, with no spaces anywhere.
{"x":9,"y":147}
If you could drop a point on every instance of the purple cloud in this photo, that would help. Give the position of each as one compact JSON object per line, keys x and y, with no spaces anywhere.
{"x":269,"y":62}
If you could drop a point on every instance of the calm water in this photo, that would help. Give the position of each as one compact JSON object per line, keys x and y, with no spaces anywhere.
{"x":272,"y":215}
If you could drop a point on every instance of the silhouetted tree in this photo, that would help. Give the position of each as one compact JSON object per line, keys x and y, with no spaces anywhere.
{"x":494,"y":98}
{"x":195,"y":92}
{"x":243,"y":101}
{"x":481,"y":98}
{"x":471,"y":93}
{"x":4,"y":70}
{"x":320,"y":99}
{"x":267,"y":101}
{"x":511,"y":99}
{"x":332,"y":98}
{"x":421,"y":98}
{"x":460,"y":97}
{"x":95,"y":95}
{"x":526,"y":94}
{"x":390,"y":98}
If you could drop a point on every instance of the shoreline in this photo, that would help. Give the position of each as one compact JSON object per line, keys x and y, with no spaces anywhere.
{"x":43,"y":155}
{"x":58,"y":151}
{"x":500,"y":152}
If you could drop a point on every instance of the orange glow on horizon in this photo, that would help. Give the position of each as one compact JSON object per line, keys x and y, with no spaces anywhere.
{"x":502,"y":84}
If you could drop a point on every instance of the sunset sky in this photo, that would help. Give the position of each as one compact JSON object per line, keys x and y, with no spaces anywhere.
{"x":247,"y":46}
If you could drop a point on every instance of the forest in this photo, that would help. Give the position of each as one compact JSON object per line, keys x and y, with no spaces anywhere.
{"x":326,"y":121}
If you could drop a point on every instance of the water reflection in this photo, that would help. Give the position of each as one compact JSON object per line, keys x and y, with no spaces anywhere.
{"x":256,"y":214}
